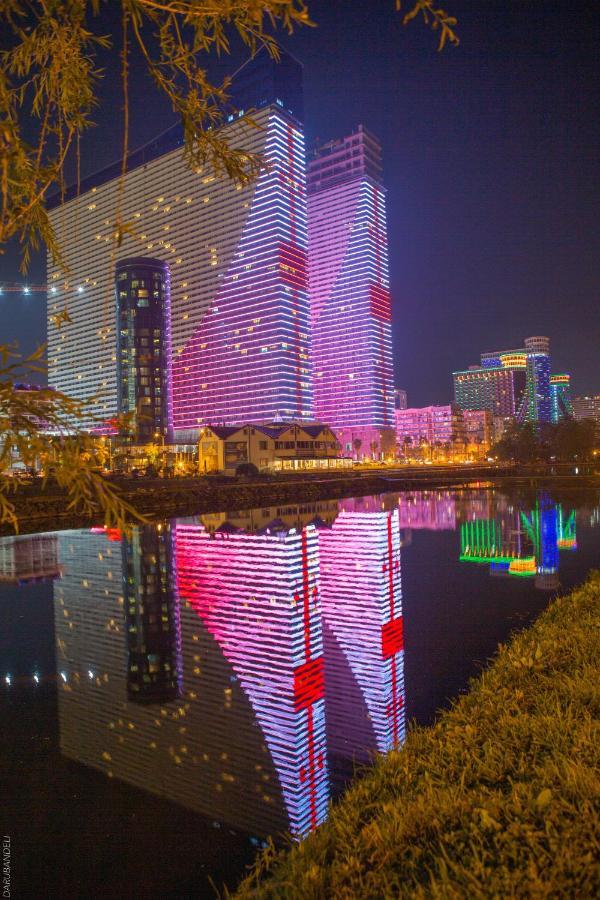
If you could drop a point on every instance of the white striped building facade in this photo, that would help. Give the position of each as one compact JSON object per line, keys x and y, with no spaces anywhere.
{"x":239,"y":301}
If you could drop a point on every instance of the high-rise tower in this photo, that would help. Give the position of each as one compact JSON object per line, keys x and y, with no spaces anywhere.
{"x":349,"y":285}
{"x":142,"y":288}
{"x":237,"y":255}
{"x":539,"y":401}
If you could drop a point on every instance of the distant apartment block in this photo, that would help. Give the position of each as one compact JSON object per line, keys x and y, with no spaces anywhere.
{"x":432,"y":425}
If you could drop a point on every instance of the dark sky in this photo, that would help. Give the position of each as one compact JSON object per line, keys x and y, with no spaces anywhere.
{"x":491,"y":165}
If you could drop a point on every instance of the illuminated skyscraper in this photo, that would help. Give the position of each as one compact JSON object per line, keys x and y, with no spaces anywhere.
{"x":349,"y":286}
{"x":237,"y":255}
{"x":497,"y":385}
{"x":539,"y":401}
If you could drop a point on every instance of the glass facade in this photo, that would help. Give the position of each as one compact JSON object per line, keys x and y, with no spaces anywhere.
{"x":142,"y":288}
{"x":240,"y":318}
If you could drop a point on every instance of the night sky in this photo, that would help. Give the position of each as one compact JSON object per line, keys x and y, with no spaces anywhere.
{"x":490,"y":162}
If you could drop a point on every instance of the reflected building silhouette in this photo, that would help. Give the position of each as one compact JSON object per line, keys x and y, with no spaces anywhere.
{"x":363,"y":634}
{"x":29,"y":558}
{"x":203,"y":749}
{"x":223,"y":662}
{"x":151,"y":616}
{"x":431,"y":510}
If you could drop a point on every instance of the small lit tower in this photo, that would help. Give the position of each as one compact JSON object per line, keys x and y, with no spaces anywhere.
{"x":560,"y":391}
{"x":142,"y":290}
{"x":539,"y":401}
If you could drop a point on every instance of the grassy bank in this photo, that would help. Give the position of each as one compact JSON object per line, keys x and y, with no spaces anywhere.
{"x":500,"y":798}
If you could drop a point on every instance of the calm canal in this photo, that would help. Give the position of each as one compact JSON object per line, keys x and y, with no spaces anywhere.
{"x":170,"y":701}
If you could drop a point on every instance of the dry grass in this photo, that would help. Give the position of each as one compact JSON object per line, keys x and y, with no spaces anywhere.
{"x":499,"y":799}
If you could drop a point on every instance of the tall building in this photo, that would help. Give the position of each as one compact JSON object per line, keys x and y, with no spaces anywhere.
{"x":509,"y":383}
{"x":349,"y":286}
{"x":498,"y":384}
{"x":239,"y":301}
{"x":560,"y":394}
{"x":539,"y":401}
{"x":587,"y":408}
{"x":142,"y":289}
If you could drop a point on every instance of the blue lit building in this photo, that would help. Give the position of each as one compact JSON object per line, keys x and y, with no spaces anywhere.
{"x":539,"y":401}
{"x":511,"y":384}
{"x":560,"y":393}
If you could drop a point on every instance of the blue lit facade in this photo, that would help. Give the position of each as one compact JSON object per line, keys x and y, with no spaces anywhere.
{"x":539,"y":401}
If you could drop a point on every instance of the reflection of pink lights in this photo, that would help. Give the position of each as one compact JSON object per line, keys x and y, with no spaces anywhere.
{"x":362,"y":605}
{"x":429,"y":510}
{"x":258,"y":596}
{"x":113,"y":534}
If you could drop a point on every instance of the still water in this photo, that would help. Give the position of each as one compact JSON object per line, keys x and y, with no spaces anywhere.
{"x":170,"y":701}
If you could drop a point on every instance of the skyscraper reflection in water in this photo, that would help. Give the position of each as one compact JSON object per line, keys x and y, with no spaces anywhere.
{"x":151,"y":616}
{"x":222,"y":667}
{"x":363,"y":634}
{"x":258,"y":596}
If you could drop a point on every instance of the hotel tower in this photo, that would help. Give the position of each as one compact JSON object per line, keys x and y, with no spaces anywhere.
{"x":237,"y":260}
{"x":349,"y":286}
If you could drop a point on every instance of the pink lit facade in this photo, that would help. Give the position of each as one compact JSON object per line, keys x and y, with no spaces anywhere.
{"x":240,"y":318}
{"x":431,"y":425}
{"x":248,"y":358}
{"x":349,"y":288}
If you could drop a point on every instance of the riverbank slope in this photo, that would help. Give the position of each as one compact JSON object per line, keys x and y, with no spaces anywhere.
{"x":42,"y":507}
{"x":499,"y":798}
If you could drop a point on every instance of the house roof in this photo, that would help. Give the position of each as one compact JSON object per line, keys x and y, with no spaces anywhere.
{"x":224,"y":431}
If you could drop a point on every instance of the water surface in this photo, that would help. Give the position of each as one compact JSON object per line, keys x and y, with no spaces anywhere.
{"x":172,"y":700}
